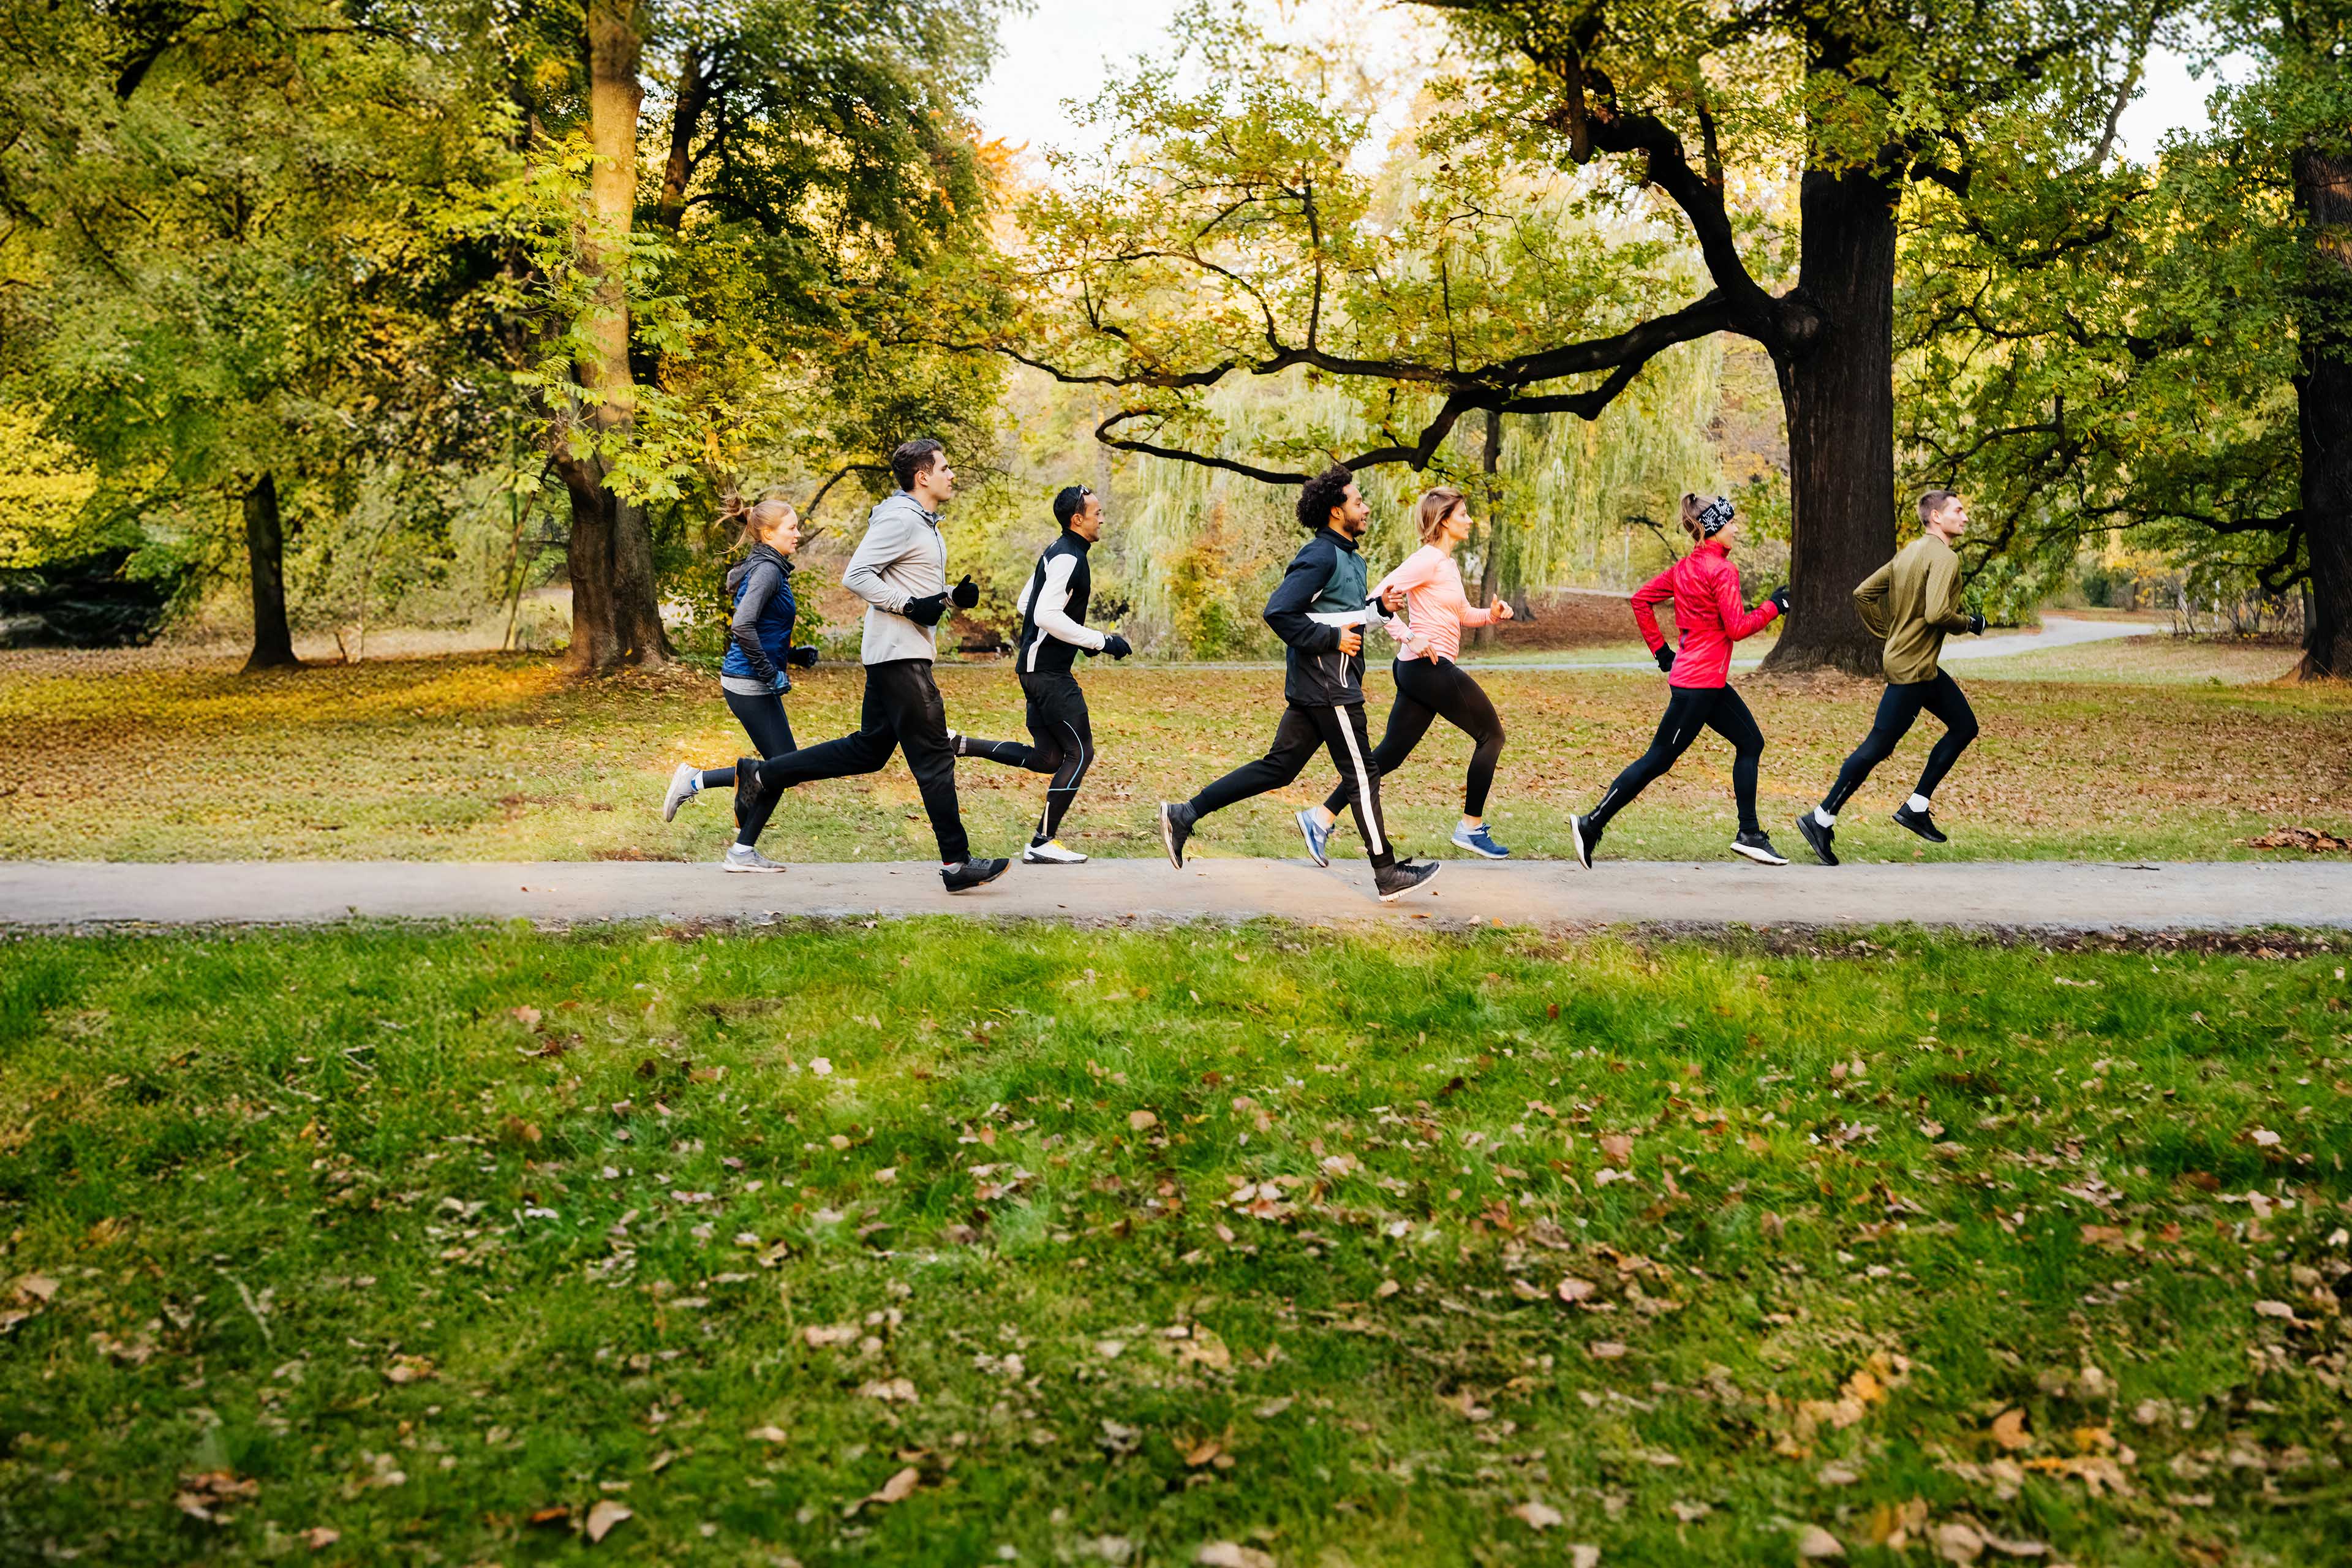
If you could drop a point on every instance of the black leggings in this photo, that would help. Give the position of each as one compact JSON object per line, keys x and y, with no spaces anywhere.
{"x":1431,"y":689}
{"x":1896,"y":711}
{"x":1338,"y":729}
{"x":1062,"y":742}
{"x":902,"y":710}
{"x":762,"y":717}
{"x":1690,"y":709}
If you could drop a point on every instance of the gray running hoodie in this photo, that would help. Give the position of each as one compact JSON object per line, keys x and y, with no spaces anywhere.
{"x":902,"y":557}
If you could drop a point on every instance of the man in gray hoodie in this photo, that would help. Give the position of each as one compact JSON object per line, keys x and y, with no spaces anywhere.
{"x":900,"y":570}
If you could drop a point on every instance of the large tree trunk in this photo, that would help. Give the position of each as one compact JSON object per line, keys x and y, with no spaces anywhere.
{"x":616,"y":616}
{"x":2323,"y":187}
{"x":1838,"y":388}
{"x":265,"y":552}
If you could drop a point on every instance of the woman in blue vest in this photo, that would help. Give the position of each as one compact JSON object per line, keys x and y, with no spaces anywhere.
{"x":754,"y":677}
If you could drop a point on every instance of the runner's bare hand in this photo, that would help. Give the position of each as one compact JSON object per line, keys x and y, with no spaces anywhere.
{"x":1502,"y":611}
{"x":1351,"y":641}
{"x":1393,"y":601}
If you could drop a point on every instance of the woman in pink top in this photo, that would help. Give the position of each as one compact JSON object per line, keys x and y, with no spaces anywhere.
{"x":1430,"y":685}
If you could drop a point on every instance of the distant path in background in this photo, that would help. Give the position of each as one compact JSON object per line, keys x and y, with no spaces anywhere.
{"x":2053,"y":895}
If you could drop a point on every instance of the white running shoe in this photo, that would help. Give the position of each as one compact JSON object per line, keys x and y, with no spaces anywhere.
{"x":746,"y":858}
{"x":1052,"y":852}
{"x":684,"y":785}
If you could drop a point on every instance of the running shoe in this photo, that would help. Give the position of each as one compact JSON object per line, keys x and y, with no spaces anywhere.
{"x":1392,"y":882}
{"x":1585,"y":838}
{"x":1052,"y":852}
{"x":1759,"y":848}
{"x":971,"y":874}
{"x":1922,"y":822}
{"x":1820,"y":838}
{"x":1176,"y":821}
{"x":744,"y":858}
{"x":1478,"y":841}
{"x":1318,"y":838}
{"x":684,"y":785}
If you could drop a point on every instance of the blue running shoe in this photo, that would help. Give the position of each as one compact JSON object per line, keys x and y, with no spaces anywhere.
{"x":1478,"y":841}
{"x":1318,"y":838}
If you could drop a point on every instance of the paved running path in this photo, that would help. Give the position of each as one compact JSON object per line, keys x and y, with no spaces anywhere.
{"x":2038,"y":894}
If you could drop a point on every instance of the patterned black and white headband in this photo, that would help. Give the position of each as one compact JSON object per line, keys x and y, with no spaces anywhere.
{"x":1712,"y":516}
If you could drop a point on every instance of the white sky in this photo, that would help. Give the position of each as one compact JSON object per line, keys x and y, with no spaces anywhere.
{"x":1056,"y":52}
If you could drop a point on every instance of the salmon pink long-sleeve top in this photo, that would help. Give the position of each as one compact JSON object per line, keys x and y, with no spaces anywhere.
{"x":1436,"y":601}
{"x":1704,"y":588}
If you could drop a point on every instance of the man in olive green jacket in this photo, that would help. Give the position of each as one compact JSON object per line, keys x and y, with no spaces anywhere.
{"x":1912,"y":601}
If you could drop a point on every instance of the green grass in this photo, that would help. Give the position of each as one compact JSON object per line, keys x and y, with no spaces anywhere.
{"x":132,"y":757}
{"x":417,"y":1236}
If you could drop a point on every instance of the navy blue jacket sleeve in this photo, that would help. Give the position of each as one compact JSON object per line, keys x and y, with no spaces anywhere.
{"x":760,"y":585}
{"x":1286,"y":611}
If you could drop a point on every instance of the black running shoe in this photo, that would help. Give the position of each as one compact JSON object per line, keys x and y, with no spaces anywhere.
{"x":1586,"y":838}
{"x":1758,"y":847}
{"x":1176,"y":821}
{"x":1393,"y":882}
{"x":1922,"y":822}
{"x":971,"y":874}
{"x":1820,"y":838}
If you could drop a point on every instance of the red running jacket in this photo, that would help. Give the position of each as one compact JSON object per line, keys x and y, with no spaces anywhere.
{"x":1704,"y":588}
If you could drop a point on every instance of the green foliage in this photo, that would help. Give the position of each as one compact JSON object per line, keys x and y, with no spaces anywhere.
{"x":42,"y":493}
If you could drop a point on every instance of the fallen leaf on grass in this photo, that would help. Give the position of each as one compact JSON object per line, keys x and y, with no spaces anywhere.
{"x":1574,"y":1290}
{"x":2275,"y":1310}
{"x":1582,"y":1556}
{"x":2304,"y":839}
{"x":1386,"y":1289}
{"x":898,"y":1488}
{"x":1202,"y":1453}
{"x":817,"y":1336}
{"x":1813,"y":1542}
{"x":1618,"y":1147}
{"x":1540,"y":1515}
{"x":1838,"y":1476}
{"x":408,"y":1369}
{"x":1141,"y":1121}
{"x":2009,"y":1430}
{"x":898,"y":1389}
{"x":34,"y":1287}
{"x":1231,"y":1554}
{"x":603,"y":1516}
{"x":1605,"y":1350}
{"x":318,"y":1537}
{"x":769,"y":1434}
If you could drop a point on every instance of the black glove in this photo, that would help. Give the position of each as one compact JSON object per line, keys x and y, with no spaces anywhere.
{"x":967,"y":592}
{"x":1780,"y":598}
{"x":1116,"y":646}
{"x":805,"y":655}
{"x":1977,"y":622}
{"x":1666,"y":660}
{"x":927,"y":610}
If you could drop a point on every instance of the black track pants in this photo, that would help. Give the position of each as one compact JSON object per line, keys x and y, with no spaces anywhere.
{"x":1062,"y":742}
{"x":1898,"y":709}
{"x":762,"y":717}
{"x":1690,"y":709}
{"x":1435,"y":689}
{"x":902,"y":711}
{"x":1338,"y":729}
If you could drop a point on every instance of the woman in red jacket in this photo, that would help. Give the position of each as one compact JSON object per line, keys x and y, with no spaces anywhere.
{"x":1704,"y":588}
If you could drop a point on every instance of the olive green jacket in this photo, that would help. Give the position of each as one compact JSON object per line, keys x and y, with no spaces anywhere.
{"x":1911,"y":602}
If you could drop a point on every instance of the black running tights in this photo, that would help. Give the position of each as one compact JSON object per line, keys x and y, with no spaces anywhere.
{"x":1304,"y":731}
{"x":1690,"y":709}
{"x":762,"y":717}
{"x":1431,"y":689}
{"x":1896,"y":711}
{"x":1062,"y":742}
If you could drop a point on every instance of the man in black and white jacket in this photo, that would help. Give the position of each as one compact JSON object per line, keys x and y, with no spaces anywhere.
{"x":900,"y":570}
{"x":1053,"y":630}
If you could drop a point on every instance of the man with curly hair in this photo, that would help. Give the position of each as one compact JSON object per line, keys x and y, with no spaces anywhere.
{"x":1318,"y":611}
